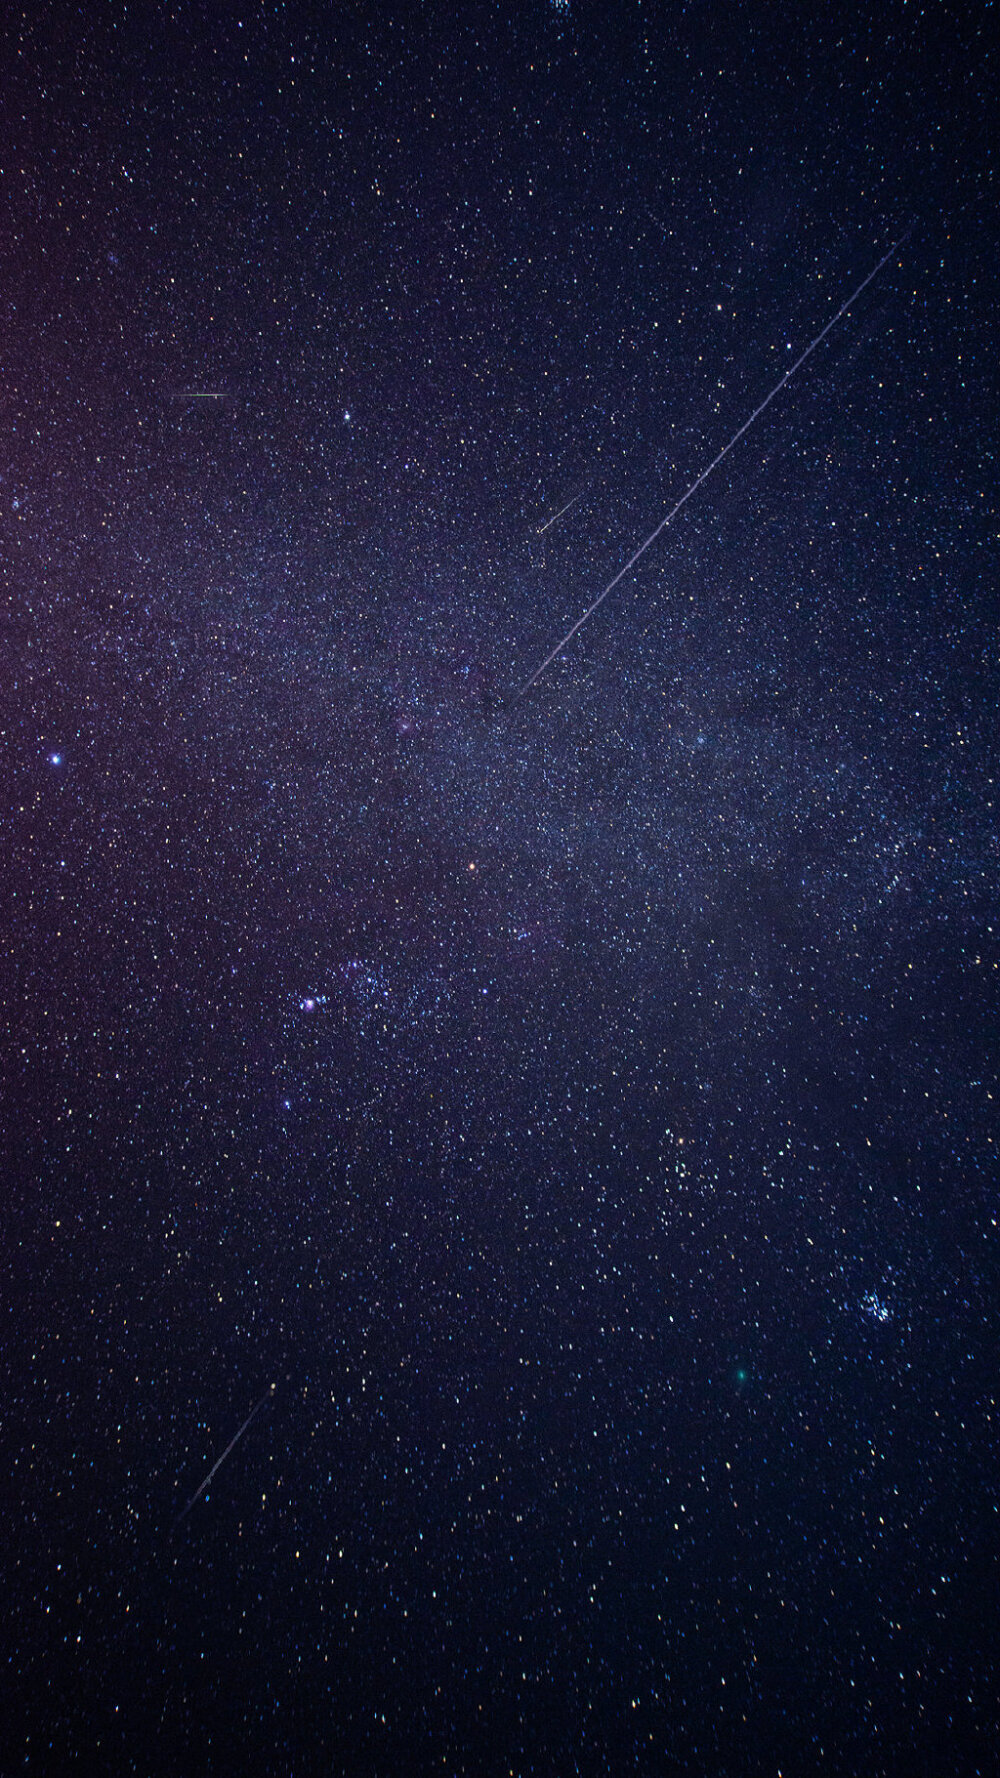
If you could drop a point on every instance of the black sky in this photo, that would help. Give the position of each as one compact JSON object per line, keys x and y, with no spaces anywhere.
{"x":580,"y":1108}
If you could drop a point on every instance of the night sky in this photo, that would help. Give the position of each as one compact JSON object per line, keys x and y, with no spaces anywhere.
{"x":569,"y":1118}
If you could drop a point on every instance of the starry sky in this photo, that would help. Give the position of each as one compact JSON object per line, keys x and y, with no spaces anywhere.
{"x":565,"y":1123}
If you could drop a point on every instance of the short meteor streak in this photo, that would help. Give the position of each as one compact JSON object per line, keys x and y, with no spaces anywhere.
{"x":559,"y":514}
{"x":703,"y":477}
{"x":217,"y":1465}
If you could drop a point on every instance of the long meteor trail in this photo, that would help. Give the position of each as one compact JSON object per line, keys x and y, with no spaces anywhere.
{"x":703,"y":477}
{"x":217,"y":1465}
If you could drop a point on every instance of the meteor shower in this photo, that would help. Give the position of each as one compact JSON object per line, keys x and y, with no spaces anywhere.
{"x":499,"y":861}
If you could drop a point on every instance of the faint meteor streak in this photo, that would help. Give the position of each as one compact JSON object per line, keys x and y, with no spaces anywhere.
{"x":559,"y":514}
{"x":703,"y":477}
{"x":217,"y":1465}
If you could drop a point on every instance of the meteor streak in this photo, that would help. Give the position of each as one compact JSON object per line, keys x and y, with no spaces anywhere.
{"x":217,"y":1465}
{"x":703,"y":477}
{"x":559,"y":514}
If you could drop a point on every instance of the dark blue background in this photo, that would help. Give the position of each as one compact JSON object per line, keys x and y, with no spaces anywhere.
{"x":582,"y":1107}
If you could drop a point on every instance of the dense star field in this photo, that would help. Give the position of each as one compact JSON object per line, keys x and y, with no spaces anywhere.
{"x":565,"y":1123}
